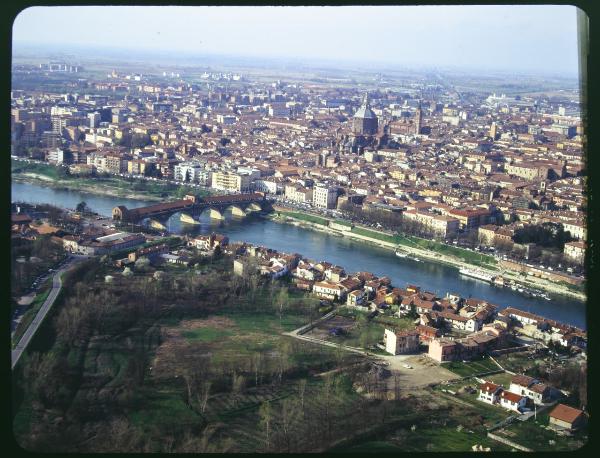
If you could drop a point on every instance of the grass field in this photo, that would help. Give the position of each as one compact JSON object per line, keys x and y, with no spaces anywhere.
{"x":534,"y":435}
{"x":472,"y":368}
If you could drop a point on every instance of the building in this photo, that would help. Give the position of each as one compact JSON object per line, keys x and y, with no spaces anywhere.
{"x":94,"y":119}
{"x":513,"y":401}
{"x":575,"y":252}
{"x":566,"y":419}
{"x":365,"y":121}
{"x":191,"y":172}
{"x":397,"y":343}
{"x":440,"y":225}
{"x":489,"y":392}
{"x":231,"y":181}
{"x":56,"y":156}
{"x":324,"y":196}
{"x":279,"y":110}
{"x":329,"y":290}
{"x":530,"y":387}
{"x":299,"y":194}
{"x":357,"y":298}
{"x":470,"y":219}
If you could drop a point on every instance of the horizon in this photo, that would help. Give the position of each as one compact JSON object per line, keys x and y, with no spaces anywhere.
{"x":537,"y":48}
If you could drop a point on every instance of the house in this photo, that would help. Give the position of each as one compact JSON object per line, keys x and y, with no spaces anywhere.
{"x":530,"y":387}
{"x":513,"y":401}
{"x":442,"y":350}
{"x":401,"y":342}
{"x":328,"y":290}
{"x":567,"y":419}
{"x":175,"y":259}
{"x":306,"y":271}
{"x":356,"y":298}
{"x":427,"y":333}
{"x":150,"y":252}
{"x":489,"y":392}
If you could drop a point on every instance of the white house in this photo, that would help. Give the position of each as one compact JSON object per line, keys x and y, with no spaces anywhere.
{"x":489,"y":392}
{"x":530,"y":387}
{"x":329,"y":290}
{"x":512,"y":401}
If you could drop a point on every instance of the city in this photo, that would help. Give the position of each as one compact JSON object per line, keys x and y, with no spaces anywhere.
{"x":235,"y":257}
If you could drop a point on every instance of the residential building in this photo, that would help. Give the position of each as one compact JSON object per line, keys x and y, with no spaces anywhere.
{"x":567,"y":419}
{"x":325,"y":196}
{"x":401,"y":342}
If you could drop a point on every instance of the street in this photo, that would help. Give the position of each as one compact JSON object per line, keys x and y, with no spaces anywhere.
{"x":33,"y":327}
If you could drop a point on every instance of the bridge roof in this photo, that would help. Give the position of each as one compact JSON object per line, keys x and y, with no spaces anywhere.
{"x":156,"y":208}
{"x":232,"y":198}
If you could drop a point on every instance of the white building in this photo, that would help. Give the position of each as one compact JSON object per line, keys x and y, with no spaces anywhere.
{"x":188,"y":171}
{"x":325,"y":196}
{"x":489,"y":392}
{"x":512,"y":401}
{"x":56,"y":156}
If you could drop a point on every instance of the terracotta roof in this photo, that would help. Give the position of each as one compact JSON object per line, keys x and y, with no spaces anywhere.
{"x":489,"y":387}
{"x":512,"y":397}
{"x":565,"y":413}
{"x":522,"y":380}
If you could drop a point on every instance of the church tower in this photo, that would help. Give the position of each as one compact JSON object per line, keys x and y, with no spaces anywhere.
{"x":419,"y":119}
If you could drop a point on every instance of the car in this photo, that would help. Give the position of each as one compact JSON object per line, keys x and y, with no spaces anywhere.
{"x":408,"y":366}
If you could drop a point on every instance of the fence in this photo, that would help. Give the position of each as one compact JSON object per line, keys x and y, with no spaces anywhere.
{"x":508,"y":442}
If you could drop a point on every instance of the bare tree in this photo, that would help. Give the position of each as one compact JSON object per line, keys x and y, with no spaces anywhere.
{"x":266,"y":417}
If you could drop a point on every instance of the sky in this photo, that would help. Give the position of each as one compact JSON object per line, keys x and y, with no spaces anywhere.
{"x":535,"y":38}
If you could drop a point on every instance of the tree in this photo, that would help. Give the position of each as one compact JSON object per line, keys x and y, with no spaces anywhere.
{"x":266,"y":417}
{"x":301,"y":392}
{"x":82,"y":207}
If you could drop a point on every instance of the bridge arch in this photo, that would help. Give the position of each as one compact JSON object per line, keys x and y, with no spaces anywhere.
{"x":236,"y":210}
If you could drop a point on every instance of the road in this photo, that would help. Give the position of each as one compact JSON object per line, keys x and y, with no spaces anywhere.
{"x":45,"y":308}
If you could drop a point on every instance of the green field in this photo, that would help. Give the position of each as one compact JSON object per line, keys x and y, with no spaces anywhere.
{"x":472,"y":368}
{"x":534,"y":435}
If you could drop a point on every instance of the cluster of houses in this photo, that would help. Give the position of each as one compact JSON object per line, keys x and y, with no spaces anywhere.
{"x":526,"y":392}
{"x":523,"y":391}
{"x":482,"y":328}
{"x":545,"y":329}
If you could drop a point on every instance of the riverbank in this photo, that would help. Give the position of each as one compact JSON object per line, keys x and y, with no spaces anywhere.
{"x":83,"y":187}
{"x":321,"y":224}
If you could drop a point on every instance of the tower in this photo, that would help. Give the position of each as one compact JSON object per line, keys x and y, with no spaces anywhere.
{"x":419,"y":119}
{"x":493,"y":131}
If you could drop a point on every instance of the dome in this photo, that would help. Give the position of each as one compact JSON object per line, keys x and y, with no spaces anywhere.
{"x":365,"y":112}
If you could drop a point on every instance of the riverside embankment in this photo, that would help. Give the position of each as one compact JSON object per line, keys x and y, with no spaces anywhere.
{"x":484,"y":263}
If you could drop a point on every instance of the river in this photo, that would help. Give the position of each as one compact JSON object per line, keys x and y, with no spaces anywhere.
{"x":352,"y":255}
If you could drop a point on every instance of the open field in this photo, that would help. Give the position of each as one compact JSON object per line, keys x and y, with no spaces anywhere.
{"x":534,"y":434}
{"x":472,"y":368}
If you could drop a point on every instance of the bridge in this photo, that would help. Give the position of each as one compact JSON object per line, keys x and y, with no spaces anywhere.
{"x":191,"y":208}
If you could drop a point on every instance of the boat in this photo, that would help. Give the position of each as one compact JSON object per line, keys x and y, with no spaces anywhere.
{"x":478,"y":274}
{"x":400,"y":254}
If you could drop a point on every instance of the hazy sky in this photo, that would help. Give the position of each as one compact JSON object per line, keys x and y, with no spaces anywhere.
{"x":536,"y":38}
